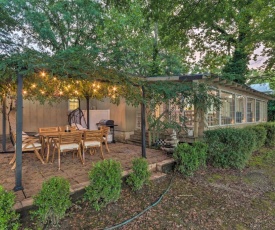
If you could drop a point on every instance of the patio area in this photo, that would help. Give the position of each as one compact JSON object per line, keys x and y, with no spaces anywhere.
{"x":34,"y":173}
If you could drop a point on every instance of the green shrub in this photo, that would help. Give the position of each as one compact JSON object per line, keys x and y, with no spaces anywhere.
{"x":189,"y":158}
{"x":260,"y":135}
{"x":140,"y":174}
{"x":52,"y":201}
{"x":229,"y":147}
{"x":8,"y":217}
{"x":105,"y":183}
{"x":201,"y":150}
{"x":270,"y":133}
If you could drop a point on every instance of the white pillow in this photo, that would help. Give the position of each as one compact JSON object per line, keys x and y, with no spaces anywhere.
{"x":80,"y":127}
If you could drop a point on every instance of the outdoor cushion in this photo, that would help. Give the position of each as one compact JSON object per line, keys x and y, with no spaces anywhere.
{"x":69,"y":147}
{"x":30,"y":146}
{"x":79,"y":126}
{"x":92,"y":143}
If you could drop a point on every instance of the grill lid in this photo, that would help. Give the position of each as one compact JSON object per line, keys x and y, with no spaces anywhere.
{"x":106,"y":122}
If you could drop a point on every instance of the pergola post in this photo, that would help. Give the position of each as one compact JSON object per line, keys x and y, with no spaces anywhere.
{"x":19,"y":124}
{"x":143,"y":138}
{"x":88,"y":112}
{"x":4,"y":119}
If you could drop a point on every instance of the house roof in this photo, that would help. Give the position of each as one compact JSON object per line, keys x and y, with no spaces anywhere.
{"x":262,"y":87}
{"x":212,"y":80}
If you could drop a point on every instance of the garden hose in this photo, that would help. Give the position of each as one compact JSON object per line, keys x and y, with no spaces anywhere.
{"x":145,"y":210}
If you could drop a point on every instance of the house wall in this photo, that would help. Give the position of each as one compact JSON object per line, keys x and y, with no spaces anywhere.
{"x":124,"y":116}
{"x":203,"y":127}
{"x":36,"y":115}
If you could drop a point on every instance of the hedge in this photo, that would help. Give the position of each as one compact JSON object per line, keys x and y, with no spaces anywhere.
{"x":229,"y":147}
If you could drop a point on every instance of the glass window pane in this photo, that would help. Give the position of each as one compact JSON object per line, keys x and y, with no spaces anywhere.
{"x":228,"y":108}
{"x":250,"y":108}
{"x":212,"y":114}
{"x":240,"y":104}
{"x":257,"y":110}
{"x":73,"y":104}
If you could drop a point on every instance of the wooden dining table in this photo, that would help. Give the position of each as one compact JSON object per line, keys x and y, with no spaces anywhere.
{"x":47,"y":137}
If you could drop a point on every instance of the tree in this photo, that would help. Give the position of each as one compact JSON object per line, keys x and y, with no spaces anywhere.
{"x":223,"y":32}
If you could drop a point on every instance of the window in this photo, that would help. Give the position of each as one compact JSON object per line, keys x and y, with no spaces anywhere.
{"x":258,"y":116}
{"x":240,"y":104}
{"x":227,"y":108}
{"x":73,"y":104}
{"x":212,"y":114}
{"x":263,"y":111}
{"x":250,"y":109}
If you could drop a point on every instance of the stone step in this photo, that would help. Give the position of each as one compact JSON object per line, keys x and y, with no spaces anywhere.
{"x":157,"y":175}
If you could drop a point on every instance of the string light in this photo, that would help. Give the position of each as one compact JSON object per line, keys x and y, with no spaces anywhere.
{"x":24,"y":92}
{"x":114,"y":88}
{"x":54,"y":78}
{"x":43,"y":74}
{"x":33,"y":85}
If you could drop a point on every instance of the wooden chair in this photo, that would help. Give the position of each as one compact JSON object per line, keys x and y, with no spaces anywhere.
{"x":92,"y":140}
{"x":70,"y":141}
{"x":63,"y":128}
{"x":28,"y":144}
{"x":105,"y":131}
{"x":44,"y":140}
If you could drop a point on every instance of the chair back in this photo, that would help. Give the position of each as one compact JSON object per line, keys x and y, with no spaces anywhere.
{"x":70,"y":138}
{"x":48,"y":129}
{"x":63,"y":128}
{"x":105,"y":130}
{"x":93,"y":135}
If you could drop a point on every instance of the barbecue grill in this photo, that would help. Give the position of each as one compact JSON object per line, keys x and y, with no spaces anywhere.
{"x":105,"y":122}
{"x":108,"y":123}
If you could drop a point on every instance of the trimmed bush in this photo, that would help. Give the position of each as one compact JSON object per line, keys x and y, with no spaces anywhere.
{"x":52,"y":201}
{"x":140,"y":174}
{"x":201,"y":150}
{"x":105,"y":183}
{"x":190,"y":157}
{"x":8,"y":217}
{"x":270,"y":133}
{"x":229,"y":147}
{"x":260,"y":135}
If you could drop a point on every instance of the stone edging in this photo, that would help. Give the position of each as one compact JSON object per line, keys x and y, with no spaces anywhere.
{"x":161,"y":167}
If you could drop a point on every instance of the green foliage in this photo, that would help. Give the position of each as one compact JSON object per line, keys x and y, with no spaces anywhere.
{"x":190,"y":157}
{"x":8,"y":217}
{"x":52,"y":201}
{"x":140,"y":174}
{"x":229,"y":147}
{"x":105,"y":183}
{"x":270,"y":133}
{"x":260,"y":135}
{"x":271,"y":110}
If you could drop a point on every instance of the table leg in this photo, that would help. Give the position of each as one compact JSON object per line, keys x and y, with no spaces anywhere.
{"x":48,"y":149}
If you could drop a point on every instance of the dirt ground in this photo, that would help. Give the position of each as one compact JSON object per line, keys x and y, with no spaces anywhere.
{"x":211,"y":199}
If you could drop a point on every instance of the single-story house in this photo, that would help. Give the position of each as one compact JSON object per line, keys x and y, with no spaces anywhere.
{"x":241,"y":106}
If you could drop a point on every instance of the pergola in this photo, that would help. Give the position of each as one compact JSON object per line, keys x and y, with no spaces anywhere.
{"x":46,"y":84}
